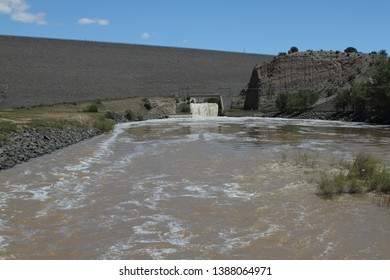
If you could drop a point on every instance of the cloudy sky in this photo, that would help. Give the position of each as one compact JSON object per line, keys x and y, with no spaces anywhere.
{"x":253,"y":26}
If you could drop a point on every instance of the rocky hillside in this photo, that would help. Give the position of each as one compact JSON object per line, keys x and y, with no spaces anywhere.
{"x":326,"y":73}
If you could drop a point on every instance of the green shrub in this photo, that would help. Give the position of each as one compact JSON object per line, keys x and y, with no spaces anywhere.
{"x":293,"y":50}
{"x":325,"y":186}
{"x":383,"y":53}
{"x":343,"y":100}
{"x":363,"y":175}
{"x":130,"y":115}
{"x":354,"y":186}
{"x":380,"y":181}
{"x":133,"y":116}
{"x":283,"y":101}
{"x":350,"y":50}
{"x":104,"y":125}
{"x":93,"y":108}
{"x":363,"y":167}
{"x":288,"y":102}
{"x":330,"y":185}
{"x":339,"y":181}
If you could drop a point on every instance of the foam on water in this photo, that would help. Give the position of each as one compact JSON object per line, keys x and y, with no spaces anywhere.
{"x":3,"y":244}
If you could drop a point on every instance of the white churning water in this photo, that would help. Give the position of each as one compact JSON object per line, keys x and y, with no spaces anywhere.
{"x":204,"y":109}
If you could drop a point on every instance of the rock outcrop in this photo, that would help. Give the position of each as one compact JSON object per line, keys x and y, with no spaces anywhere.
{"x":326,"y":73}
{"x":159,"y":108}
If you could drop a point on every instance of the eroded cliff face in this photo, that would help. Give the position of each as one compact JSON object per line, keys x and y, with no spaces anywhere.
{"x":324,"y":72}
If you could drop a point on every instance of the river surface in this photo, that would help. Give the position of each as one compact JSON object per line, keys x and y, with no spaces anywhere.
{"x":218,"y":188}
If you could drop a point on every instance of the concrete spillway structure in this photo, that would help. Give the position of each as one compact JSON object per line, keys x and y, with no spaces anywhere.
{"x":47,"y":71}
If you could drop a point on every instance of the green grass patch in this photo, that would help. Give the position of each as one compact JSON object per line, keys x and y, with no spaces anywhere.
{"x":6,"y":127}
{"x":53,"y":123}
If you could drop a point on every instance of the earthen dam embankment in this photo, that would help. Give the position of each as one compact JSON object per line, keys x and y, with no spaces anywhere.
{"x":38,"y":71}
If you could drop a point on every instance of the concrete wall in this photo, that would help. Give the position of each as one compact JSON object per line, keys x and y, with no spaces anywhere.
{"x":47,"y":71}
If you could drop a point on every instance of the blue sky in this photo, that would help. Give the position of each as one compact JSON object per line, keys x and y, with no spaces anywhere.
{"x":253,"y":26}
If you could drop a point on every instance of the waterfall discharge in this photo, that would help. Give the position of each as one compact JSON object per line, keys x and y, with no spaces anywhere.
{"x":204,"y":109}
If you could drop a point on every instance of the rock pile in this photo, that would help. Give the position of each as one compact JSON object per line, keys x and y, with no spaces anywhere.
{"x":32,"y":142}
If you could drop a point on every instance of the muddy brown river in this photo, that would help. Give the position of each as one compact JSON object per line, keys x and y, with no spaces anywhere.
{"x":217,"y":188}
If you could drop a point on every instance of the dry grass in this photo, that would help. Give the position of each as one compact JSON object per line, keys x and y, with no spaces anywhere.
{"x":60,"y":116}
{"x":72,"y":114}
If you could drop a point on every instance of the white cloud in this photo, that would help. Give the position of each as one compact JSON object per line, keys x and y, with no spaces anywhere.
{"x":84,"y":21}
{"x":18,"y":10}
{"x":97,"y":21}
{"x":145,"y":35}
{"x":5,"y":7}
{"x":103,"y":22}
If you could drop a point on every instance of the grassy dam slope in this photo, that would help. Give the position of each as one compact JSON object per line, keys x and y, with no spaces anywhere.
{"x":37,"y":71}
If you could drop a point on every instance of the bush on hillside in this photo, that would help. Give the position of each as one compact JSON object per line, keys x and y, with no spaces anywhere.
{"x":293,"y":50}
{"x":350,"y":50}
{"x":304,"y":99}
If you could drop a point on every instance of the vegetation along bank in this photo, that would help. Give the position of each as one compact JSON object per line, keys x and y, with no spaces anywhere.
{"x":27,"y":133}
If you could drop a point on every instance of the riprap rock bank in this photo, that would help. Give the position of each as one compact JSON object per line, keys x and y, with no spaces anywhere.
{"x":31,"y":143}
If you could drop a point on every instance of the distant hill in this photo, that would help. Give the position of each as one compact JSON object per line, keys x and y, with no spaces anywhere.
{"x":326,"y":73}
{"x":46,"y":71}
